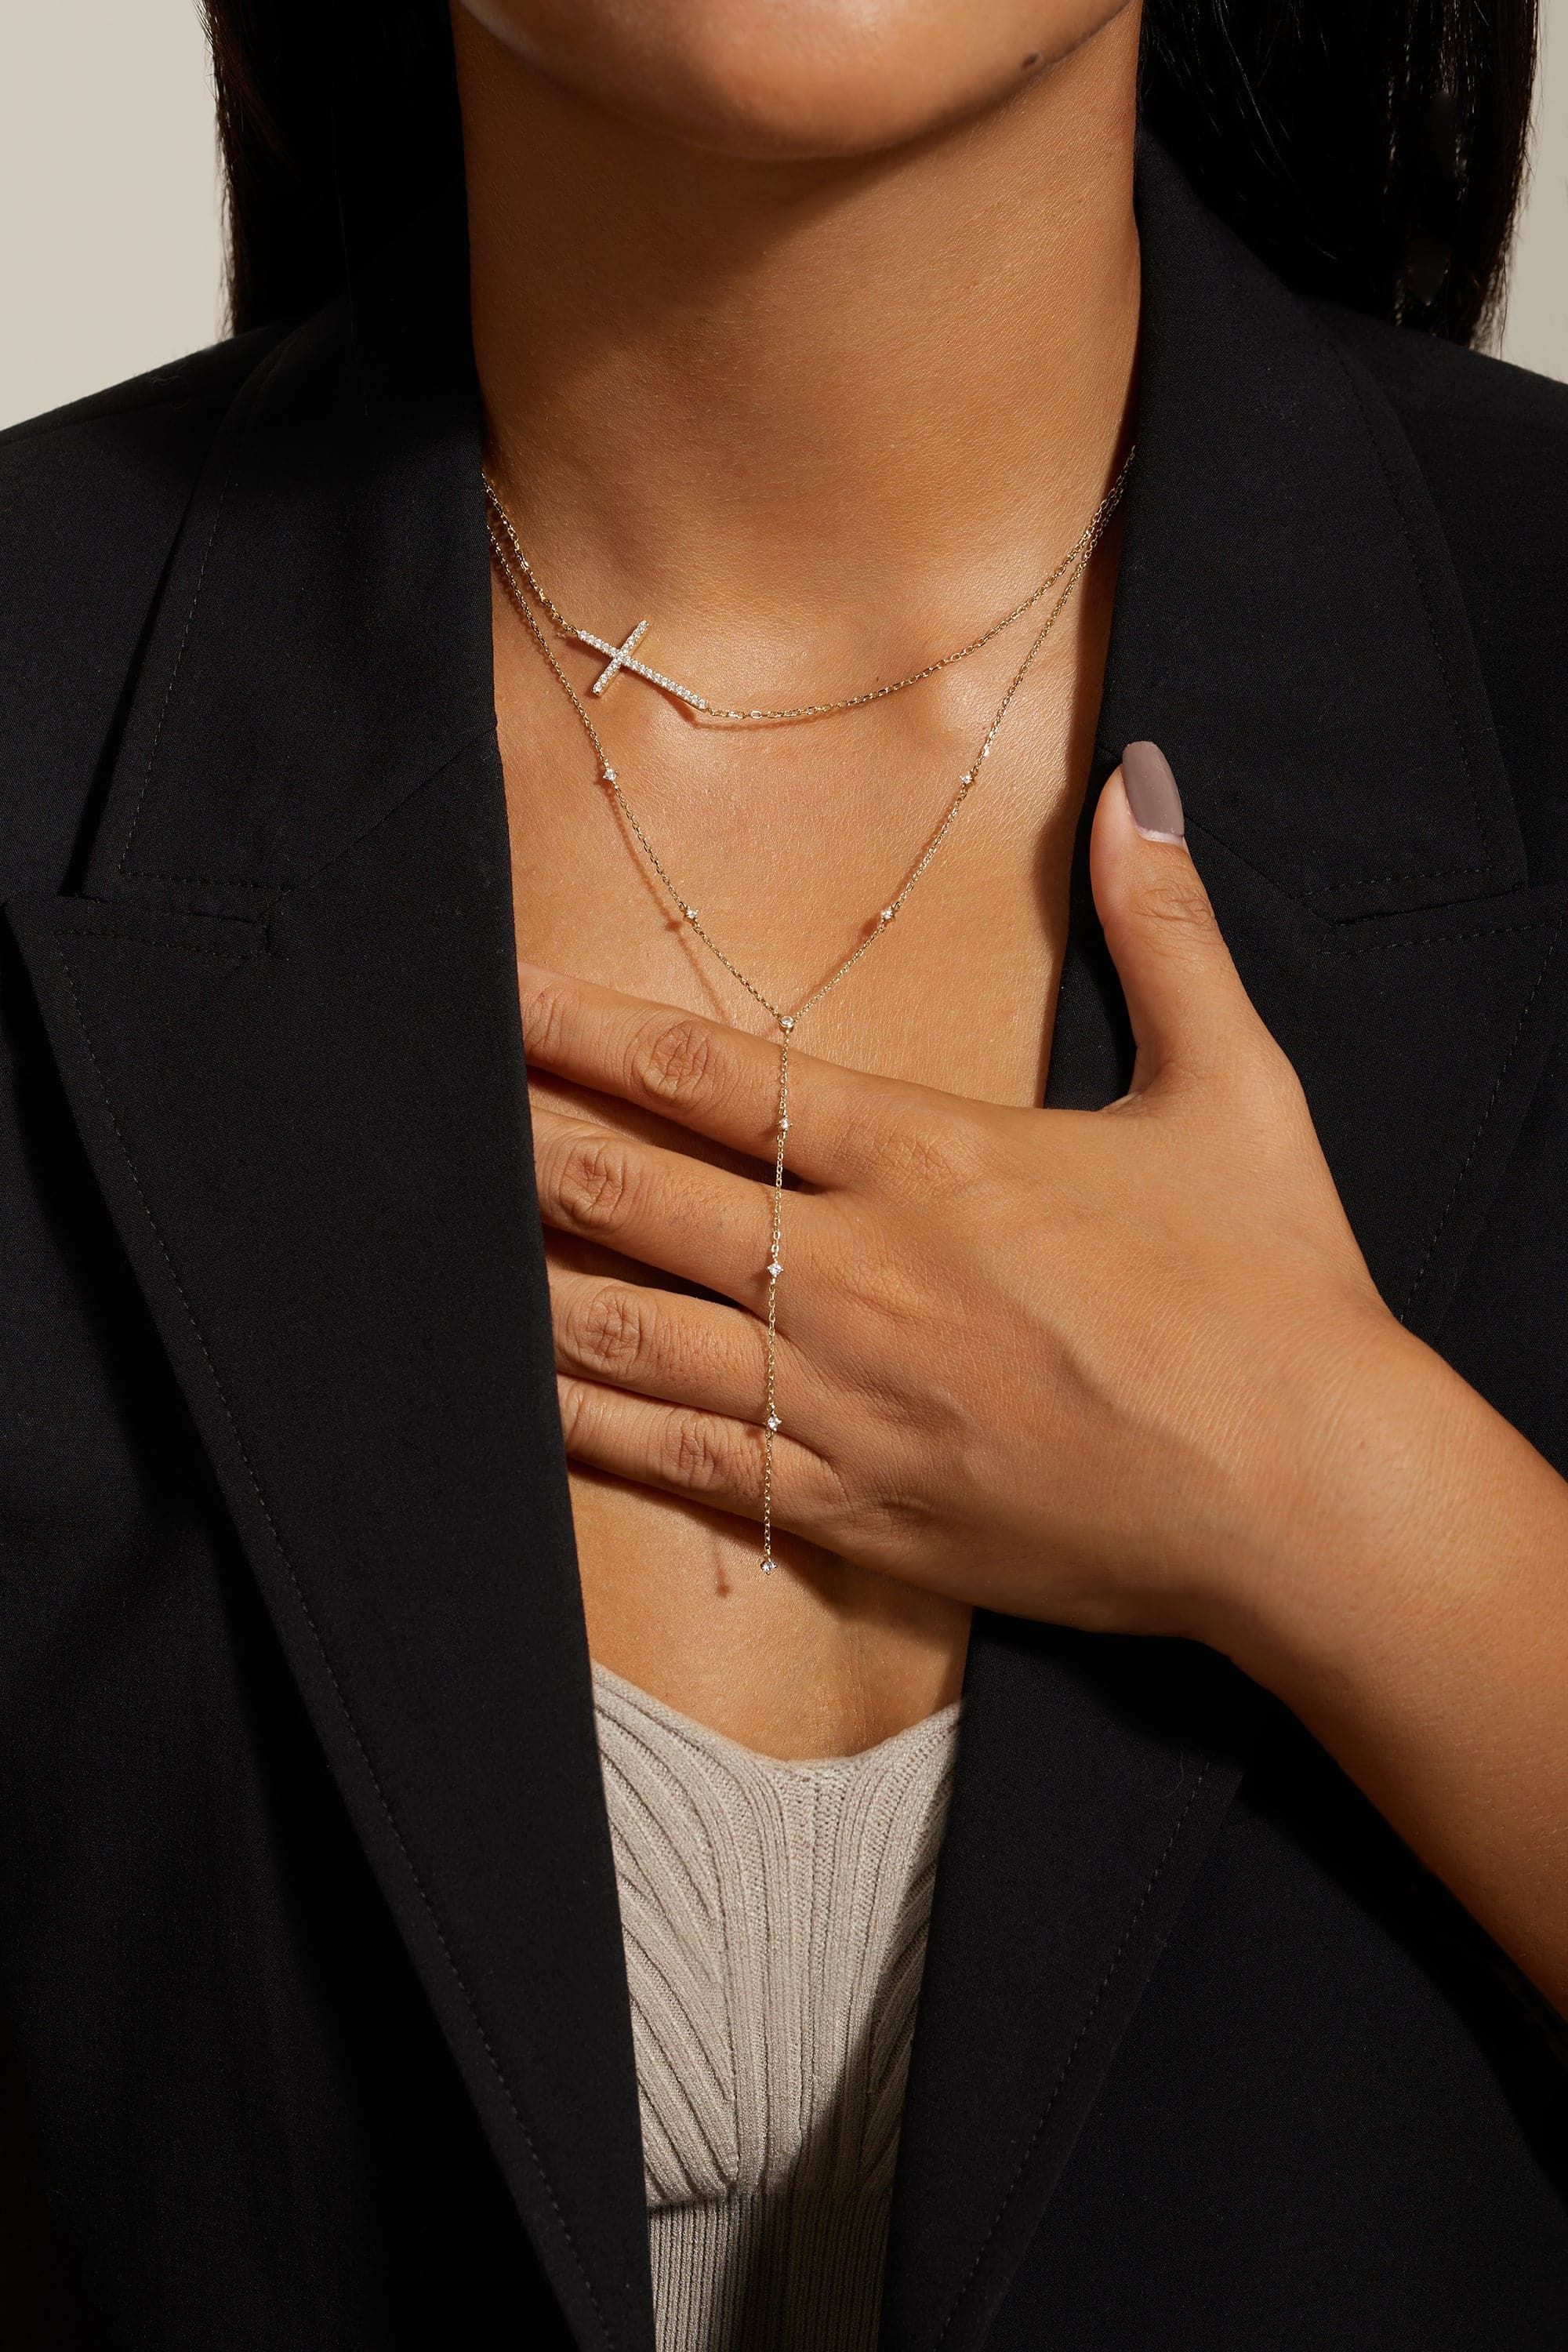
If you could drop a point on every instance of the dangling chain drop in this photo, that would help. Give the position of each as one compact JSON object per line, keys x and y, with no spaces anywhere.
{"x":518,"y":581}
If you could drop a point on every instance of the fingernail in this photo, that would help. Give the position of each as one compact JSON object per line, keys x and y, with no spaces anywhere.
{"x":1151,"y":793}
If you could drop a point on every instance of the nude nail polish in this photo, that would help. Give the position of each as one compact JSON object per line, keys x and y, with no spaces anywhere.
{"x":1151,"y":793}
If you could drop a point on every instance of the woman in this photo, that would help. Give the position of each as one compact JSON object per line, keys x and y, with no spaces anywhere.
{"x":1148,"y":1499}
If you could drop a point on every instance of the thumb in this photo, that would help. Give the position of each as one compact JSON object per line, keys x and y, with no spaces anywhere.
{"x":1189,"y":1010}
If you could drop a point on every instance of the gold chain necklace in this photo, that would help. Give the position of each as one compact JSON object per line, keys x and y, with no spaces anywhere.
{"x":788,"y":1019}
{"x":622,"y":657}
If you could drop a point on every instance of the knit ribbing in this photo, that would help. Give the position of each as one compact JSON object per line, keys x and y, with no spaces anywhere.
{"x":774,"y":1918}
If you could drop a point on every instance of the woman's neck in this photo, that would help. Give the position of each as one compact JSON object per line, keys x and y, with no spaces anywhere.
{"x":846,"y":404}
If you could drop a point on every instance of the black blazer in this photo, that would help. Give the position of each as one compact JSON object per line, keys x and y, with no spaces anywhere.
{"x":310,"y":1982}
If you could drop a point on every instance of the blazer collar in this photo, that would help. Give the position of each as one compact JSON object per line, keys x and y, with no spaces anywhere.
{"x":283,"y":1002}
{"x":1287,"y":621}
{"x":321,"y":645}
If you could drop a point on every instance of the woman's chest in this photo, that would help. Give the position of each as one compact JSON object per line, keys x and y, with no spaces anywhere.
{"x":789,"y":852}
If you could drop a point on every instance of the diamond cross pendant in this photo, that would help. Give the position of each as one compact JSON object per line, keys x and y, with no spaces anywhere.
{"x":622,"y":658}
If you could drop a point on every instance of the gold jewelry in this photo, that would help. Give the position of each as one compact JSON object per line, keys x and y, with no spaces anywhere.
{"x":623,"y":657}
{"x":788,"y":1020}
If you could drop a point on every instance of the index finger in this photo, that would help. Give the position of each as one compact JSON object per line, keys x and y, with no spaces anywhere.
{"x":719,"y":1081}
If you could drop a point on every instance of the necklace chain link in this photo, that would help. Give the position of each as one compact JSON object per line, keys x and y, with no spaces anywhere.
{"x":622,"y":657}
{"x":521,"y":583}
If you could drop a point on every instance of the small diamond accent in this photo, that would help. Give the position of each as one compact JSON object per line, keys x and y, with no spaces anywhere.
{"x":691,"y":914}
{"x":786,"y":1019}
{"x":887,"y":914}
{"x":775,"y":1268}
{"x":766,"y":1564}
{"x":609,"y":775}
{"x":784,"y":1127}
{"x":773,"y":1421}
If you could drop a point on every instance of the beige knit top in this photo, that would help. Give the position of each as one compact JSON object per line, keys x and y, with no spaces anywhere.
{"x":775,"y":1917}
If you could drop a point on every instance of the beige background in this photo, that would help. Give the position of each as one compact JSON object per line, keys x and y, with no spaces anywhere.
{"x":109,"y":228}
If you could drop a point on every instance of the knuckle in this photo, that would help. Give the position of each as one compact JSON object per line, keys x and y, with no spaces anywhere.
{"x":1272,"y":1086}
{"x":699,"y":1453}
{"x":675,"y":1060}
{"x":933,"y":1155}
{"x":873,"y":1282}
{"x":1176,"y":901}
{"x":612,"y":1332}
{"x":888,"y":1527}
{"x":573,"y":1405}
{"x":544,"y":1014}
{"x":595,"y":1182}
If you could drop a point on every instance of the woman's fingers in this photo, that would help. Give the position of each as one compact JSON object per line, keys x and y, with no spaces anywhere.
{"x":707,"y":1457}
{"x":1189,"y":1010}
{"x":663,"y":1208}
{"x":720,"y":1081}
{"x":661,"y":1344}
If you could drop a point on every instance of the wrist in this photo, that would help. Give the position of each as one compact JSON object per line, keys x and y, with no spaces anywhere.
{"x":1369,"y":1476}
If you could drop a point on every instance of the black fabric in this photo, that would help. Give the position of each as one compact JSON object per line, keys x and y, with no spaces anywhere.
{"x":313,"y":2027}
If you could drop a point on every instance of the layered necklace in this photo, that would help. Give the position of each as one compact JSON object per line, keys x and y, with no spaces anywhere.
{"x":523,"y":588}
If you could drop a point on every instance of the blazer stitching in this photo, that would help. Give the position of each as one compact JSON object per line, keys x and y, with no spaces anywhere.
{"x":211,"y":881}
{"x":1333,"y":930}
{"x":1418,"y":873}
{"x":1426,"y":873}
{"x":250,"y":388}
{"x":481,"y":734}
{"x":1195,"y":826}
{"x":179,"y":658}
{"x":1455,"y":939}
{"x":175,"y":947}
{"x":1412,"y":873}
{"x":1514,"y":1043}
{"x":1070,"y":2060}
{"x":485,"y":733}
{"x":1294,"y":898}
{"x":321,"y":1652}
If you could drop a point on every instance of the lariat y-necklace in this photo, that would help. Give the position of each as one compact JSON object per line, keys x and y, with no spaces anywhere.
{"x":787,"y":1019}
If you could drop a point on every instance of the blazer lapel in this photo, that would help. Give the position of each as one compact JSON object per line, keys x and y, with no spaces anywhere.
{"x":285,"y":1007}
{"x":1289,"y":627}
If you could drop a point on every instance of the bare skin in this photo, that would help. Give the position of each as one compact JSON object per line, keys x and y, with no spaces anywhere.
{"x":811,"y":332}
{"x":821,"y":417}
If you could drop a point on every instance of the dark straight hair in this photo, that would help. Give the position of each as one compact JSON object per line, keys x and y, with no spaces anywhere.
{"x":1371,"y":151}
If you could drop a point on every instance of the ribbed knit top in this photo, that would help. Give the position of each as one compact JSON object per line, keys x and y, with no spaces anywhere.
{"x":775,"y":1917}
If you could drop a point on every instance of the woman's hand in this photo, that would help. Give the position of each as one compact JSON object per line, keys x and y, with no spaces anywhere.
{"x":1123,"y":1370}
{"x":1113,"y":1368}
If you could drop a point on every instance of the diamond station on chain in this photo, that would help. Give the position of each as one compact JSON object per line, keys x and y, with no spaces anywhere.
{"x":775,"y":1268}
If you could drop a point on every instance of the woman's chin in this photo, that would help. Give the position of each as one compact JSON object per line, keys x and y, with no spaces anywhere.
{"x":820,"y":80}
